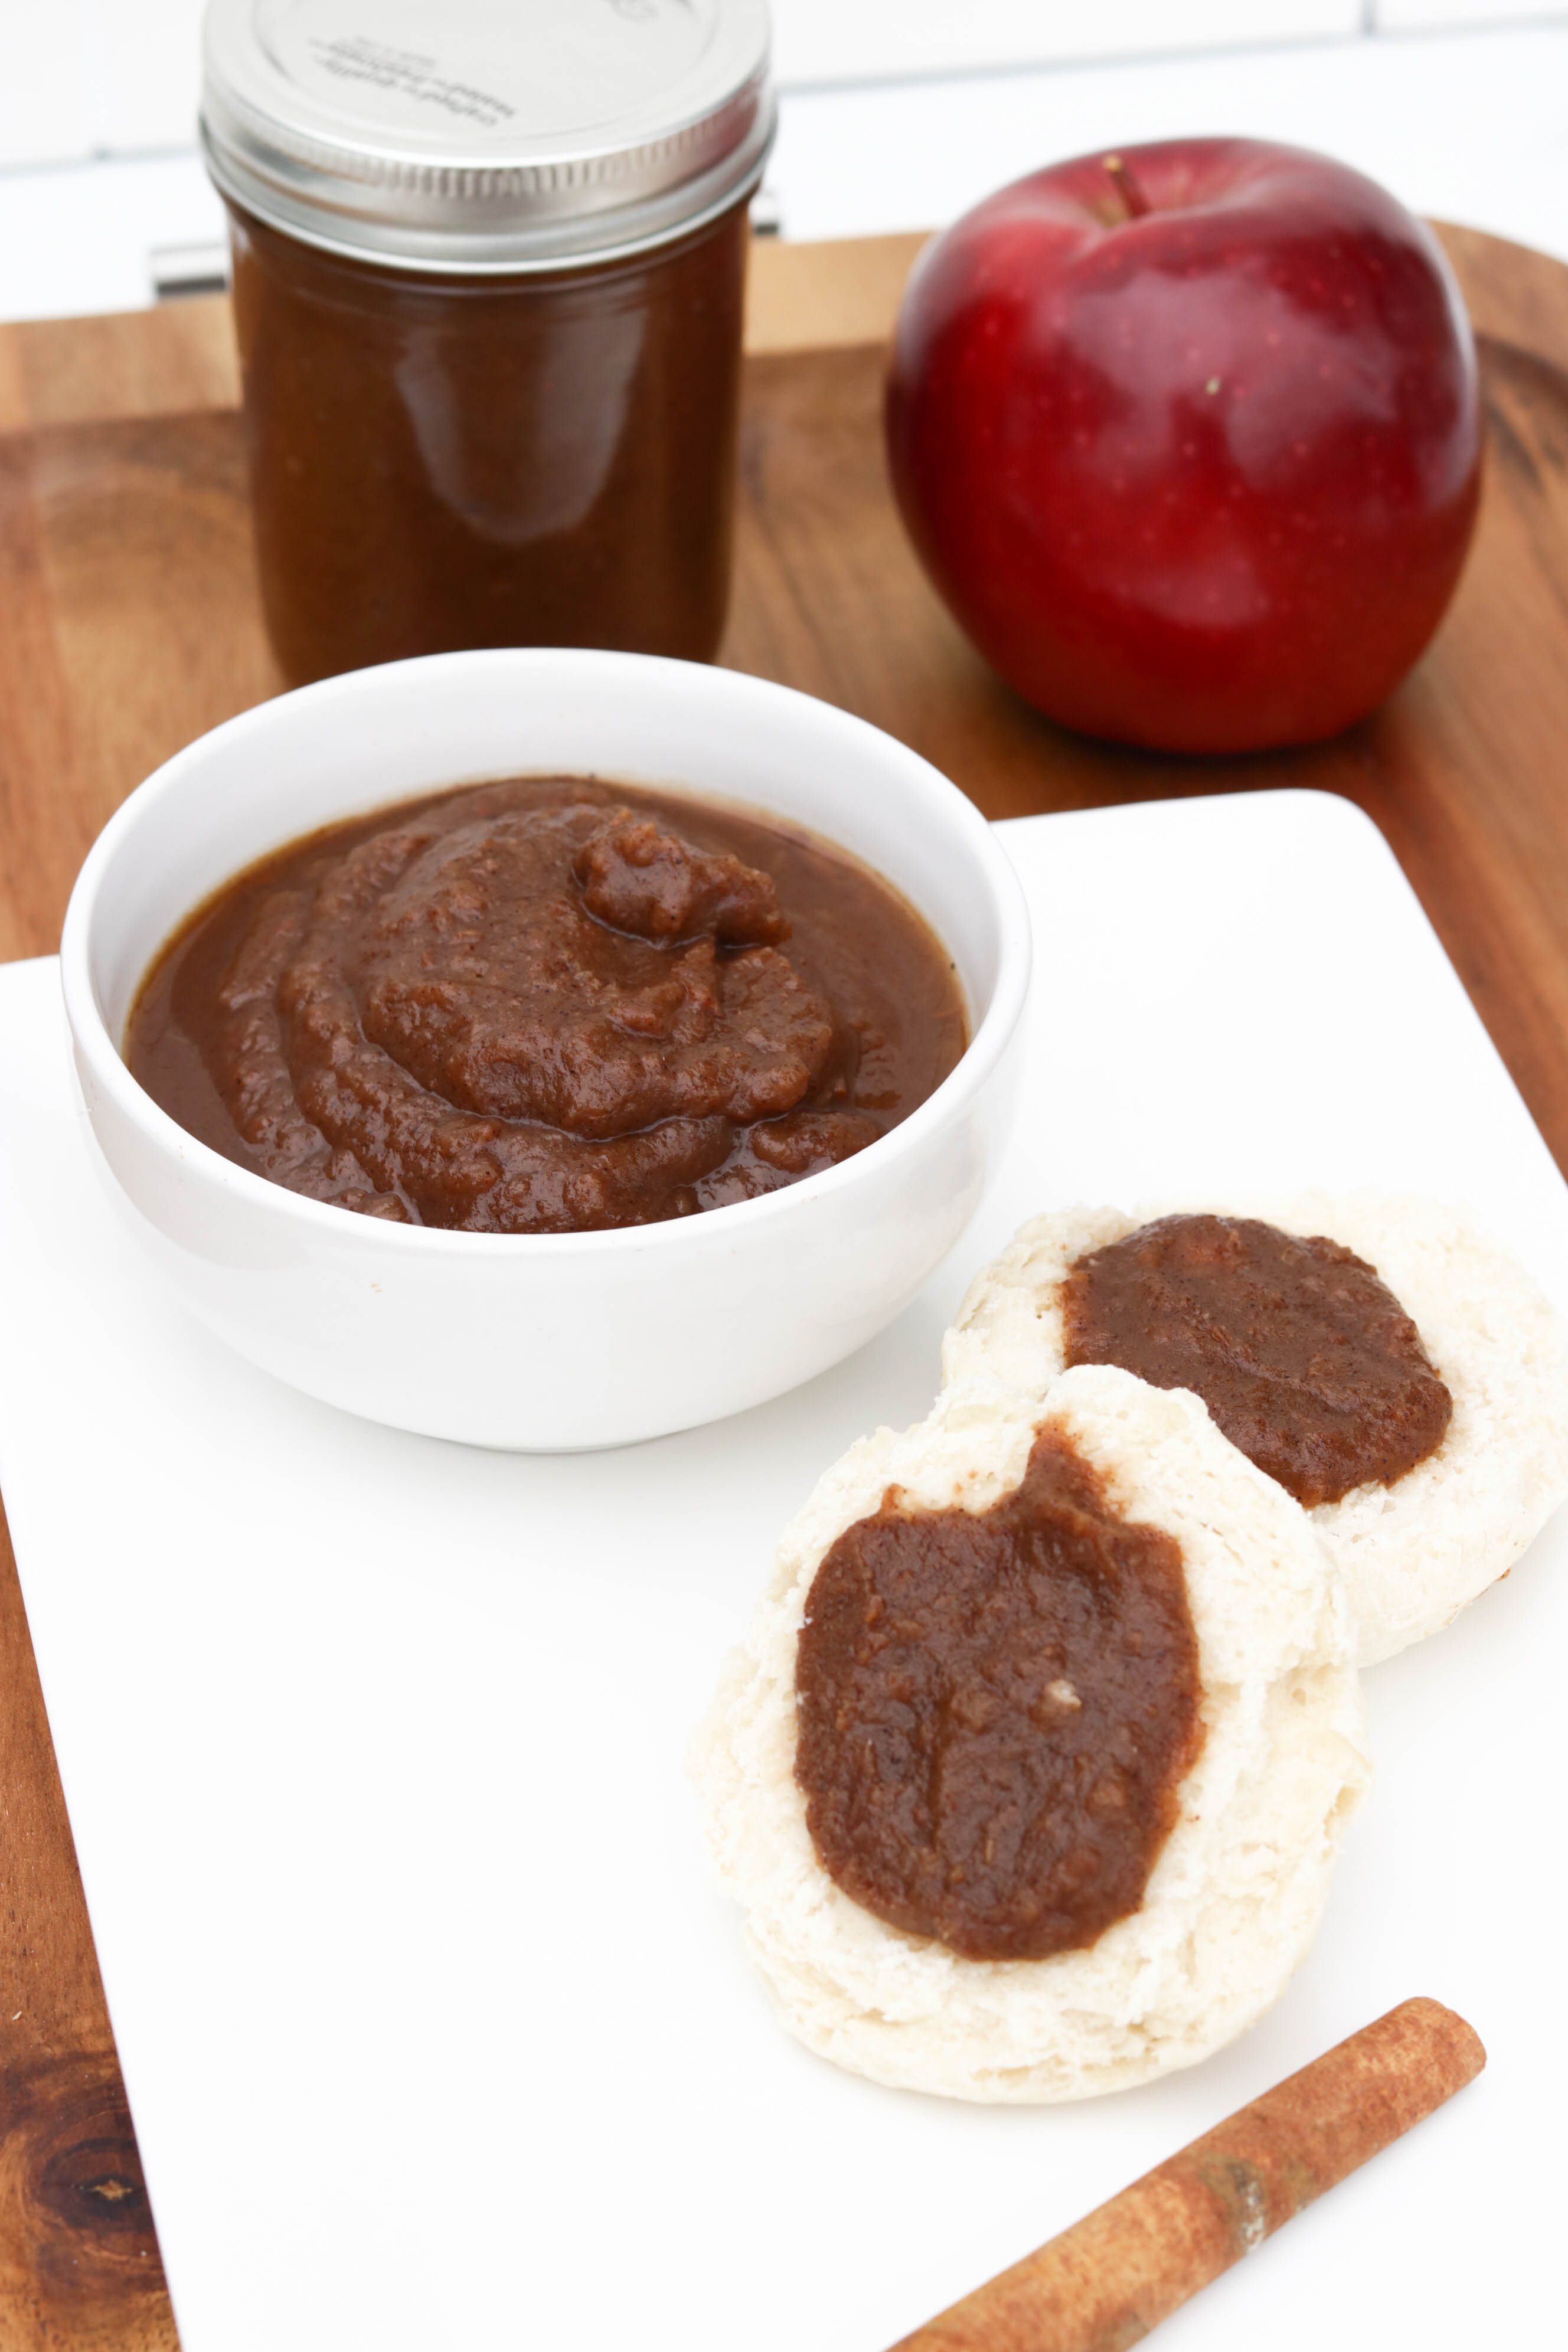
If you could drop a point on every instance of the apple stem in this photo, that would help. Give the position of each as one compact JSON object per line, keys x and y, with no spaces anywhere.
{"x":1127,"y":188}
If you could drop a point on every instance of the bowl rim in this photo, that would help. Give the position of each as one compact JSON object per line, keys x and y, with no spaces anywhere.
{"x":90,"y":1031}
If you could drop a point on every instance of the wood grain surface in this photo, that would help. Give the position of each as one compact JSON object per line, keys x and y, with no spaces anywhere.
{"x":129,"y":624}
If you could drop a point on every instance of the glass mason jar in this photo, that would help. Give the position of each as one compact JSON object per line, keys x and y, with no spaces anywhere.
{"x":487,"y":278}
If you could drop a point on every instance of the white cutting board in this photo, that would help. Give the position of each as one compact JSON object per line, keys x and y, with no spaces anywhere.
{"x":435,"y":2030}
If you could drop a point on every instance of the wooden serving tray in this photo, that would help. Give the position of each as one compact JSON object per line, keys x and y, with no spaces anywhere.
{"x":129,"y":624}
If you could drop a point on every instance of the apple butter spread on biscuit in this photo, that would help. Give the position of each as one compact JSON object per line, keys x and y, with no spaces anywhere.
{"x":547,"y":1005}
{"x":1303,"y":1356}
{"x":994,"y":1710}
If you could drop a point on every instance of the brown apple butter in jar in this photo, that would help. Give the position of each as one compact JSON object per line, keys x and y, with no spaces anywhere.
{"x":489,"y":264}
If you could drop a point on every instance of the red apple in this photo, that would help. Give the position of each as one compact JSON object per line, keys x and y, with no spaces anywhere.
{"x":1188,"y":439}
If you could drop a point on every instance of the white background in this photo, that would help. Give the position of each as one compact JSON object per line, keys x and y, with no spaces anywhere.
{"x":897,"y":113}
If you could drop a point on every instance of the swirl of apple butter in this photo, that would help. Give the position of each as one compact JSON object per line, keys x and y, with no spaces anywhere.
{"x":1303,"y":1356}
{"x":545,"y":1007}
{"x":996,"y":1710}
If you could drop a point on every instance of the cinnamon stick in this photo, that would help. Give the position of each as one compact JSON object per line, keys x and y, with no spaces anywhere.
{"x":1105,"y":2283}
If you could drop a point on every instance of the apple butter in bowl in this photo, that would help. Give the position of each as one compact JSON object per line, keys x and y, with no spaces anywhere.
{"x":562,"y":1110}
{"x":552,"y":1004}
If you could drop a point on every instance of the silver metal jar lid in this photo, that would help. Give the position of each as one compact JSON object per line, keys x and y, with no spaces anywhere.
{"x":486,"y":135}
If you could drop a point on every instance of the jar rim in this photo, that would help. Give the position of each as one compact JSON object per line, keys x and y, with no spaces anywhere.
{"x":506,"y":141}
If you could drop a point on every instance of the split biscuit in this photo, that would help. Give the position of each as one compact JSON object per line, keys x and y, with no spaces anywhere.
{"x":1415,"y":1552}
{"x":1236,"y":1887}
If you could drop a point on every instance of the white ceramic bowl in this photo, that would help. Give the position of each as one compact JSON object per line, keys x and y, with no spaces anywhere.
{"x":545,"y":1341}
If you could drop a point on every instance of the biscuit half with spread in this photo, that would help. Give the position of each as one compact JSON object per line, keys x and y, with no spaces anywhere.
{"x":1030,"y":1776}
{"x":1424,"y":1432}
